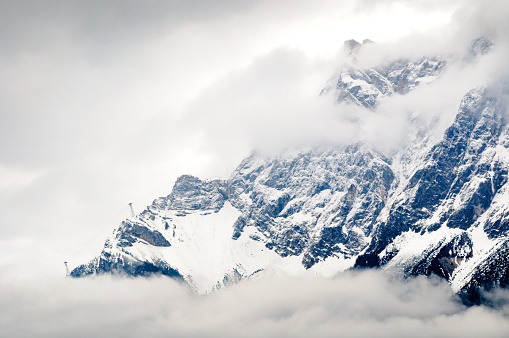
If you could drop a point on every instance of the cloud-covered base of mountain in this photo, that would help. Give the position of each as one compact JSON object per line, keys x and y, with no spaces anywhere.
{"x":362,"y":304}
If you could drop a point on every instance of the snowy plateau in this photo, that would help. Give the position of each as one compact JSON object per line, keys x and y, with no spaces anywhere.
{"x":439,"y":205}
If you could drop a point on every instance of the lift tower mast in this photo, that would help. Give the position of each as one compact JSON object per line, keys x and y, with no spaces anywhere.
{"x":132,"y":210}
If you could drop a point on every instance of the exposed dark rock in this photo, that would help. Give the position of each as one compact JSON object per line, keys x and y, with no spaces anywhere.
{"x":133,"y":231}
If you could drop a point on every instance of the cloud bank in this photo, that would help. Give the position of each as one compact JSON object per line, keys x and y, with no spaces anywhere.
{"x":358,"y":304}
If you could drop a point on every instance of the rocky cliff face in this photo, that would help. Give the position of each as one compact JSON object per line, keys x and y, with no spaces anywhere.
{"x":456,"y":188}
{"x":366,"y":87}
{"x":315,"y":203}
{"x":430,"y":208}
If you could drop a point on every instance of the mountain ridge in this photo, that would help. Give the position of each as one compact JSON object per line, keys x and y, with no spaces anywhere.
{"x":333,"y":208}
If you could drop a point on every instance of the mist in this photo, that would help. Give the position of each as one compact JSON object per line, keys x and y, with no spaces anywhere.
{"x":354,"y":304}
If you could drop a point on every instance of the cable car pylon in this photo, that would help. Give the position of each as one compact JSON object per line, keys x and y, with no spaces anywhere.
{"x":67,"y":273}
{"x":132,"y":210}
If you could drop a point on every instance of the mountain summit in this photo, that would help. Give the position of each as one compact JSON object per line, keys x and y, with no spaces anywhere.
{"x":432,"y":207}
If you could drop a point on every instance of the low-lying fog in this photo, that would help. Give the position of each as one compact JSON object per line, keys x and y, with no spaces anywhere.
{"x":365,"y":303}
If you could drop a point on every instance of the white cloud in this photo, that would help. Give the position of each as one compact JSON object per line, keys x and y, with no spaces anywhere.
{"x":11,"y":178}
{"x":353,"y":304}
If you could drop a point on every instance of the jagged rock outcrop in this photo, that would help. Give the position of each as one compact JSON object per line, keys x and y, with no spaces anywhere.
{"x":366,"y":87}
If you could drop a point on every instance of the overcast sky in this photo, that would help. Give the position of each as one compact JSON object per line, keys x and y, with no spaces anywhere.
{"x":103,"y":103}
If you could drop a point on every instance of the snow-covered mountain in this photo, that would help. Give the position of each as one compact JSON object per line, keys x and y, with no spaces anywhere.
{"x":366,"y":87}
{"x":433,"y":206}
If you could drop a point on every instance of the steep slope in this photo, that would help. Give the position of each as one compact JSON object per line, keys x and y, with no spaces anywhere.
{"x":458,"y":197}
{"x":312,"y":201}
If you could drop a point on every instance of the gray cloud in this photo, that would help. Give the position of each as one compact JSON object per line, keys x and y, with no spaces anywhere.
{"x":81,"y":77}
{"x":353,"y":304}
{"x":31,"y":25}
{"x":273,"y":103}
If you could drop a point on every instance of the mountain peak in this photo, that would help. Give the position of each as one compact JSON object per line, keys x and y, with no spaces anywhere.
{"x":434,"y":207}
{"x":352,"y":46}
